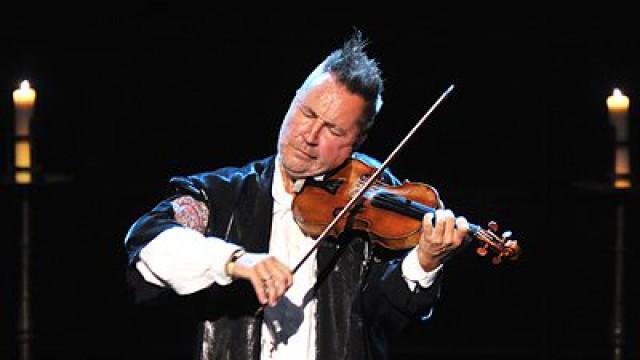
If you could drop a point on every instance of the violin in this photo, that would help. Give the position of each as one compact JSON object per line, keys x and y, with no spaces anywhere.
{"x":354,"y":198}
{"x":391,"y":215}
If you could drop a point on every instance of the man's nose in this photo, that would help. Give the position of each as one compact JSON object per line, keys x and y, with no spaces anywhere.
{"x":312,"y":134}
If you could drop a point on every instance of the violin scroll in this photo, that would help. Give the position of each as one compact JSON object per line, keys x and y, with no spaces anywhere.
{"x":502,"y":246}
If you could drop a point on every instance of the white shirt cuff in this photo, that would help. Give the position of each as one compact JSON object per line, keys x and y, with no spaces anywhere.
{"x":414,"y":274}
{"x":185,"y":260}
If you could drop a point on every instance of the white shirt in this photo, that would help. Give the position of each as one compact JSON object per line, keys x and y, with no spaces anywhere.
{"x":186,"y":261}
{"x":288,"y":331}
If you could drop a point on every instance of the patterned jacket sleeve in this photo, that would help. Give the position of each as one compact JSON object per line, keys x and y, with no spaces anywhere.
{"x":186,"y":206}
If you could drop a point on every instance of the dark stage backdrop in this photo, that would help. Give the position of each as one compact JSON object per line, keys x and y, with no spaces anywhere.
{"x":127,"y":99}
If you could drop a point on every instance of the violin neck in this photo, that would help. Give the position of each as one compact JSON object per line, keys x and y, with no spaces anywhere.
{"x":410,"y":208}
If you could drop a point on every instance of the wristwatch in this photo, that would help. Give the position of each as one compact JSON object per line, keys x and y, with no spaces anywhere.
{"x":228,"y":268}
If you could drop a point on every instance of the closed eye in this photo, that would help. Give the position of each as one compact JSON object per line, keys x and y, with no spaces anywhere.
{"x":334,"y":130}
{"x":310,"y":114}
{"x":306,"y":111}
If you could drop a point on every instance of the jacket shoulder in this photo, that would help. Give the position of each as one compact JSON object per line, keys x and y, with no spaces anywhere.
{"x":229,"y":177}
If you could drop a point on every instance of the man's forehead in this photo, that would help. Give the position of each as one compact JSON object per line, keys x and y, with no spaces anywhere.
{"x":319,"y":84}
{"x":325,"y":90}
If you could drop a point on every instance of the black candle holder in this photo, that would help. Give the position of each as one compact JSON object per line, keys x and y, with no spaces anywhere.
{"x":622,"y":198}
{"x":24,"y":193}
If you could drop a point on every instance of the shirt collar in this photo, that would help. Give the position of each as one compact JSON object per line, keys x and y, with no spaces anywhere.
{"x":282,"y":199}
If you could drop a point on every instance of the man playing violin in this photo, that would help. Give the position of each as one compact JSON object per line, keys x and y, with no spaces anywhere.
{"x":223,"y":245}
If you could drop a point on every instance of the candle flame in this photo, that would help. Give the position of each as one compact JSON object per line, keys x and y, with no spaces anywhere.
{"x":24,"y":85}
{"x":617,"y":101}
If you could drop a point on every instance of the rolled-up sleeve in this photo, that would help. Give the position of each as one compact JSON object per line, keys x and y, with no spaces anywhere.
{"x":185,"y":260}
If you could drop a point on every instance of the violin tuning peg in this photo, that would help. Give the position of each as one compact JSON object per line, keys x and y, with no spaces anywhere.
{"x":496,"y":260}
{"x":493,"y":226}
{"x":482,"y":251}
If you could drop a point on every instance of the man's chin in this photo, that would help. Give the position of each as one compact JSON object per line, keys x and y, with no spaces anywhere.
{"x":297,"y":172}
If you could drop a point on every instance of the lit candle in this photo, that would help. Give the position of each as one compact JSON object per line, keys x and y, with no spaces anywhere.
{"x":24,"y":99}
{"x":618,"y":105}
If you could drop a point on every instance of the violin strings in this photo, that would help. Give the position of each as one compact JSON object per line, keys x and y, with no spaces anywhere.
{"x":486,"y":236}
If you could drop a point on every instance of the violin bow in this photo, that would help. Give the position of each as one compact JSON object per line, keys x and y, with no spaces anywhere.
{"x":372,"y":179}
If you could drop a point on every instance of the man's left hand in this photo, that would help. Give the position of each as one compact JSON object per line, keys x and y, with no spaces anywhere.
{"x":439,"y":240}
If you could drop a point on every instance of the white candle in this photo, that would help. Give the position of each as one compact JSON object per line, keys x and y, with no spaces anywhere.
{"x":618,"y":105}
{"x":24,"y":99}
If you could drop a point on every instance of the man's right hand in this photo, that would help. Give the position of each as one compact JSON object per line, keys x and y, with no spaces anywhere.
{"x":270,"y":278}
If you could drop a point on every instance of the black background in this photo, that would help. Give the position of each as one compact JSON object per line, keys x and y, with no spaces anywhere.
{"x":129,"y":97}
